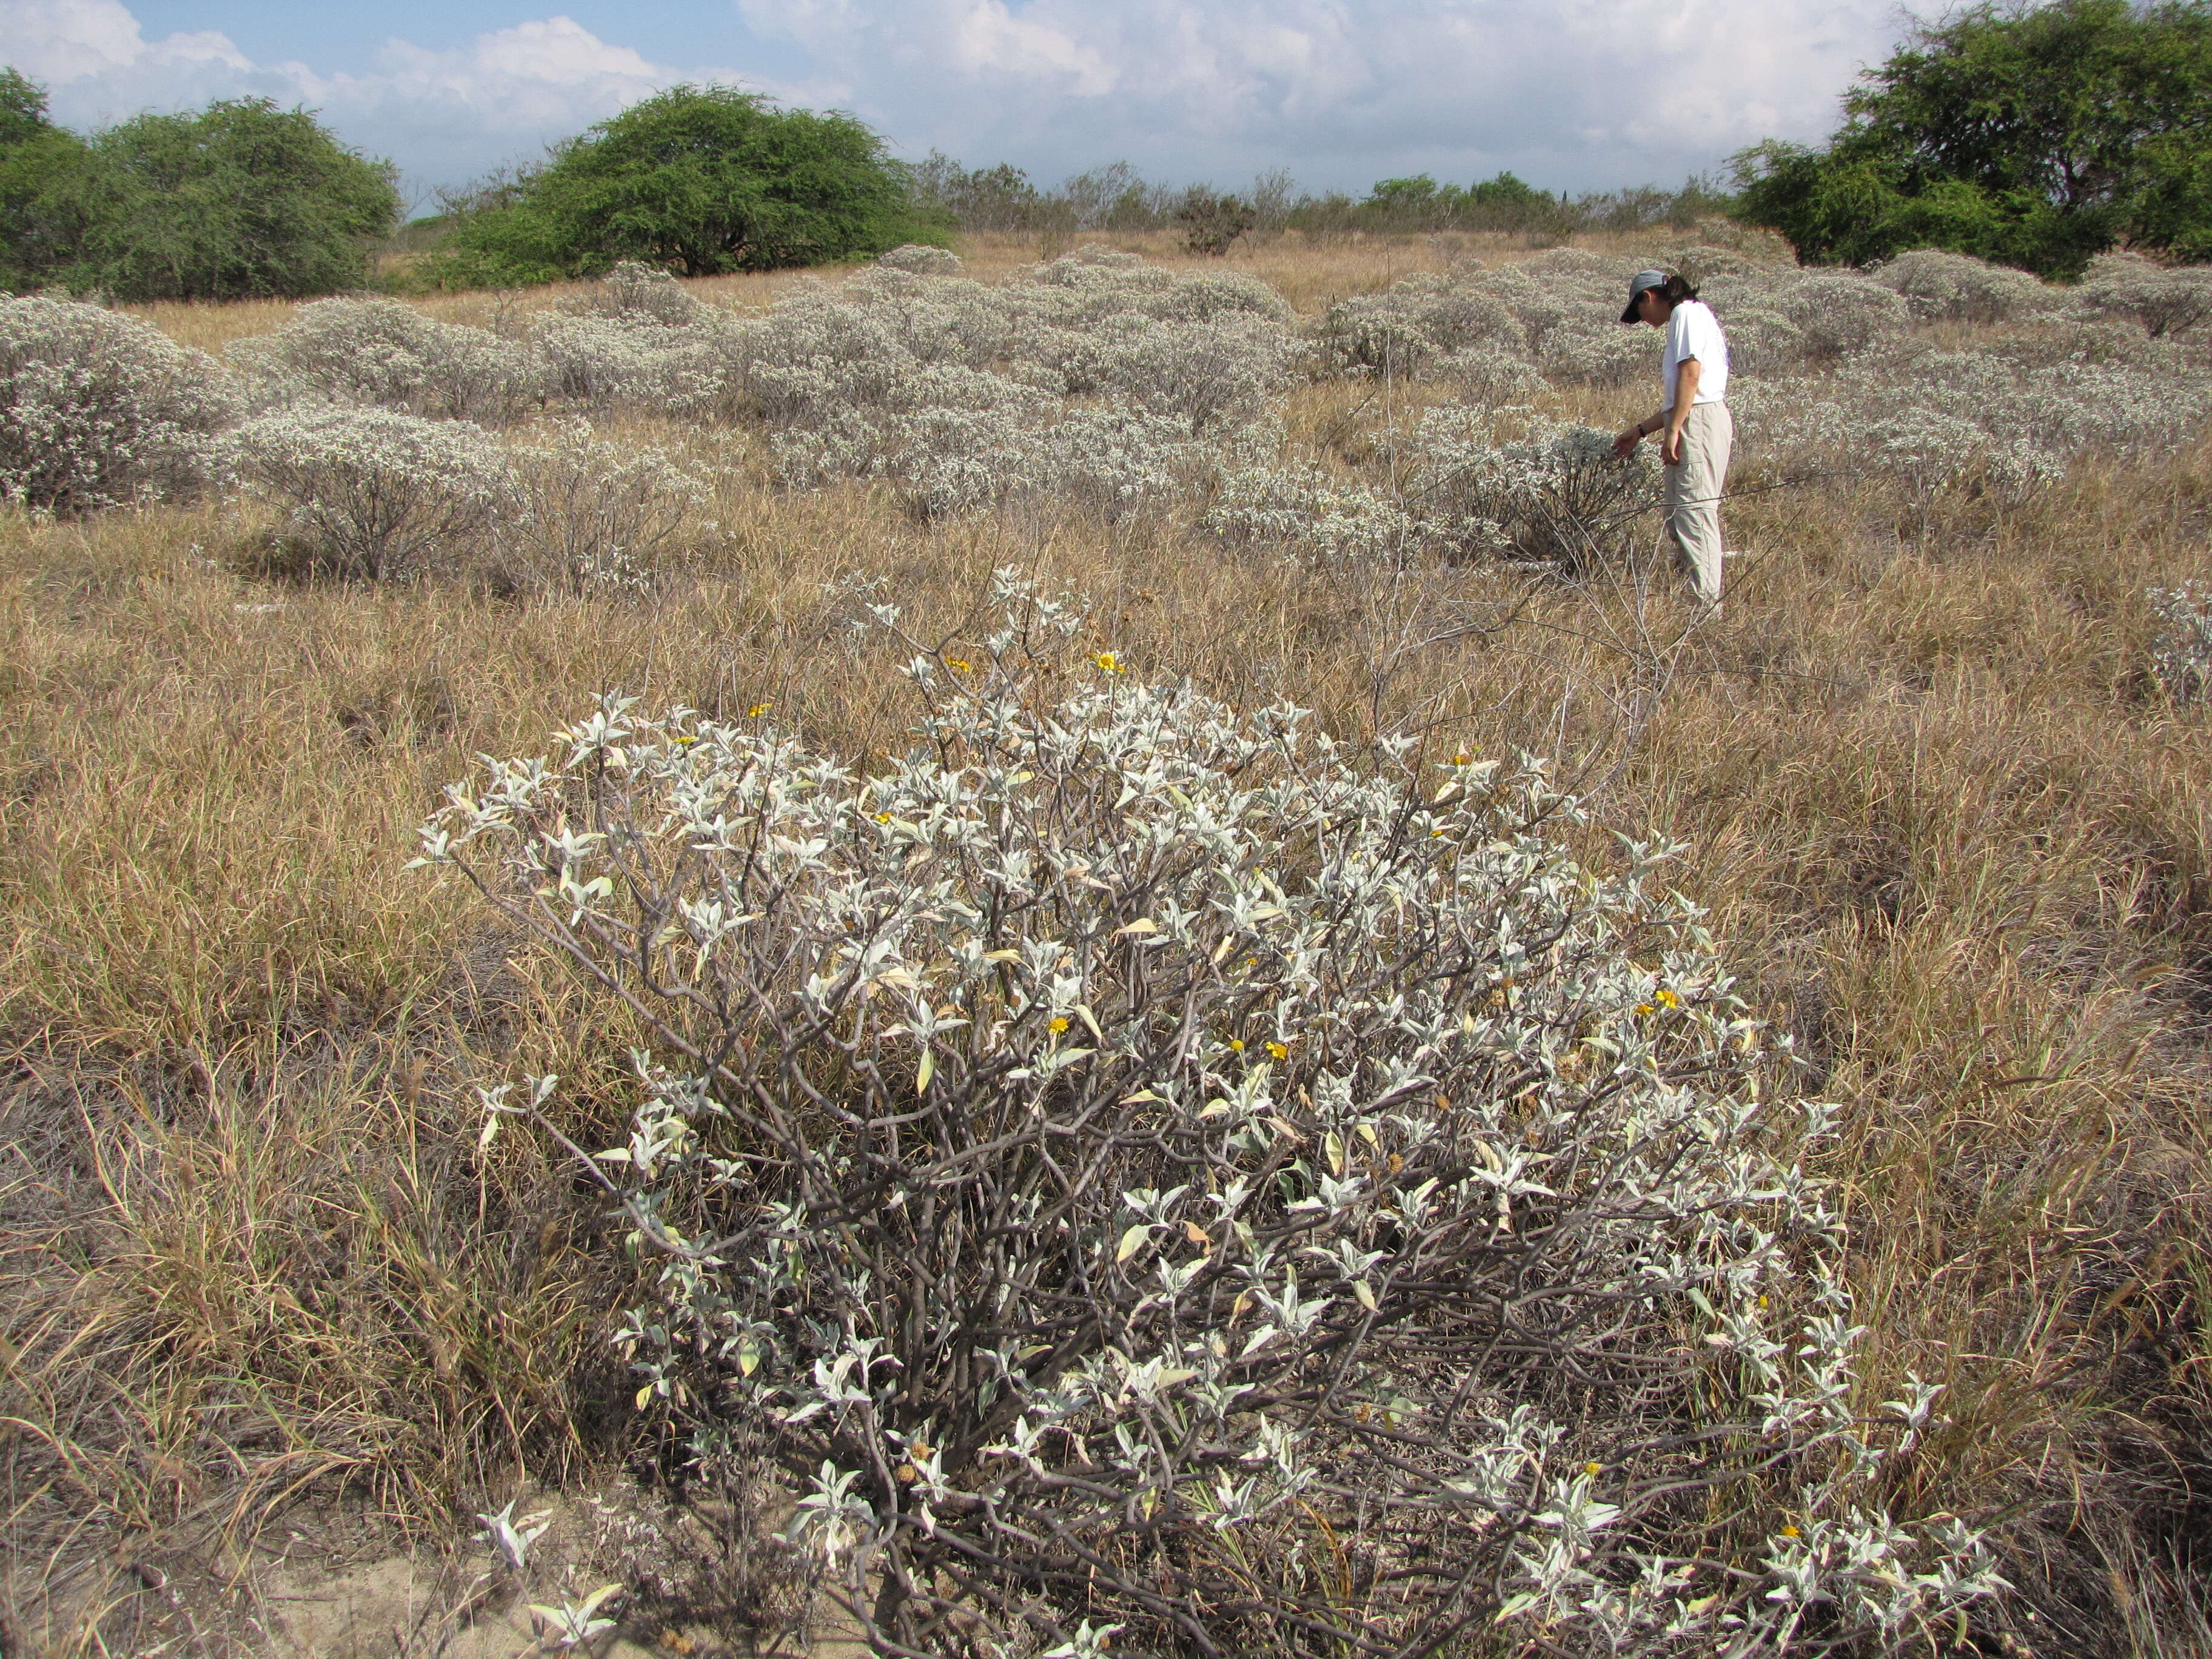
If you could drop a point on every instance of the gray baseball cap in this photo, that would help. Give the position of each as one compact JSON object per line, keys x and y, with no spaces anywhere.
{"x":1636,"y":284}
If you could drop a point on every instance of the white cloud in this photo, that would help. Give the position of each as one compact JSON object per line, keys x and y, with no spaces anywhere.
{"x":444,"y":116}
{"x":1576,"y":94}
{"x":1580,"y":91}
{"x":68,"y":40}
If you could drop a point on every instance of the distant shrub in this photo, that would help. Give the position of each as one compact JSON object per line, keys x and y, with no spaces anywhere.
{"x":1991,"y":420}
{"x":1211,"y":373}
{"x":1205,"y":295}
{"x":1136,"y":1167}
{"x":1305,"y":513}
{"x":921,"y":260}
{"x":387,"y":354}
{"x":1604,"y":355}
{"x":100,"y":409}
{"x":1211,"y":222}
{"x":617,"y":359}
{"x":1840,"y":316}
{"x":697,"y":179}
{"x":372,"y":492}
{"x":1488,"y":376}
{"x":954,"y":394}
{"x":1116,"y":460}
{"x":1960,"y":288}
{"x":1761,"y":341}
{"x":241,"y":200}
{"x":2181,"y":656}
{"x":1404,"y":331}
{"x":590,"y":516}
{"x":2164,"y":300}
{"x":953,"y":456}
{"x":636,"y":291}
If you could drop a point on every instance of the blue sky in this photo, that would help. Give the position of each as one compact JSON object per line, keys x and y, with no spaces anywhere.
{"x":1576,"y":95}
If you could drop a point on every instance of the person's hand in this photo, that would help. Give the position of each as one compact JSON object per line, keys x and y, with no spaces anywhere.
{"x":1624,"y":444}
{"x":1670,"y":447}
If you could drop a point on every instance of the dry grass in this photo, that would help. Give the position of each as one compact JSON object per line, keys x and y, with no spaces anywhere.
{"x":1944,"y":824}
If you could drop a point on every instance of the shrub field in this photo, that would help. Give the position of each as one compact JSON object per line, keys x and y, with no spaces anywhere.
{"x":1037,"y":958}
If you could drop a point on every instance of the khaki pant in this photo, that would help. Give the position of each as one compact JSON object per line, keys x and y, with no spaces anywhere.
{"x":1694,"y":496}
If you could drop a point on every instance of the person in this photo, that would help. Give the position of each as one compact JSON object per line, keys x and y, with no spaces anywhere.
{"x":1699,"y":433}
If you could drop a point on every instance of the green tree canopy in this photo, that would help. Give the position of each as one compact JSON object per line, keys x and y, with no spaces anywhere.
{"x":699,"y":179}
{"x":1507,"y":190}
{"x":2033,"y":137}
{"x":242,"y":200}
{"x":23,"y":108}
{"x":33,"y":153}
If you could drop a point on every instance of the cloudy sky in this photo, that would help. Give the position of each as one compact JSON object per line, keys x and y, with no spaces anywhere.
{"x":1571,"y":94}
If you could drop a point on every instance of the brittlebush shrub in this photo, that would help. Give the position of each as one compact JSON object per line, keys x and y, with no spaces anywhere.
{"x":372,"y":493}
{"x":100,"y":409}
{"x":588,"y":516}
{"x":387,"y":353}
{"x":1137,"y":1169}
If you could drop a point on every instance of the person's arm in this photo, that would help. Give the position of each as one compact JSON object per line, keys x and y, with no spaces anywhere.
{"x":1686,"y":396}
{"x":1624,"y":444}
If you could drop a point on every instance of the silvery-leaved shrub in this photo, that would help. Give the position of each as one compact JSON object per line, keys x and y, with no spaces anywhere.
{"x":1309,"y":514}
{"x":371,"y":492}
{"x":1944,"y":286}
{"x":588,"y":516}
{"x":1404,"y":331}
{"x":1488,"y":376}
{"x":921,"y":260}
{"x":961,"y":455}
{"x":952,"y":457}
{"x":2181,"y":655}
{"x":613,"y":359}
{"x":1117,"y":460}
{"x":2164,"y":298}
{"x":2001,"y":419}
{"x":1139,"y":1169}
{"x":1545,"y":490}
{"x":101,"y":410}
{"x":1602,"y":353}
{"x":1840,"y":316}
{"x":387,"y":353}
{"x":1217,"y":373}
{"x":640,"y":292}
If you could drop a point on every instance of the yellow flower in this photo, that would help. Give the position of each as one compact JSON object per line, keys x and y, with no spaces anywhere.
{"x":883,"y":818}
{"x":1667,"y":999}
{"x":1790,"y":1532}
{"x":959,"y":666}
{"x":1059,"y":1024}
{"x":1646,"y":1008}
{"x":686,"y":741}
{"x":1108,"y":662}
{"x":1593,"y":1468}
{"x":1278,"y":1051}
{"x":1462,"y":758}
{"x":1236,"y":1045}
{"x":758,"y":710}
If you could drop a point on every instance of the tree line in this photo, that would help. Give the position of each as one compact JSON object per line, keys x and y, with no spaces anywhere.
{"x":2033,"y":136}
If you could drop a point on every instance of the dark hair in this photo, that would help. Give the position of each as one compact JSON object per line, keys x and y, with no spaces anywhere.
{"x":1678,"y":289}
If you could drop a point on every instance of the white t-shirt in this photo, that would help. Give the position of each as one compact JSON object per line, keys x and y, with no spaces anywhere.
{"x":1693,"y":331}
